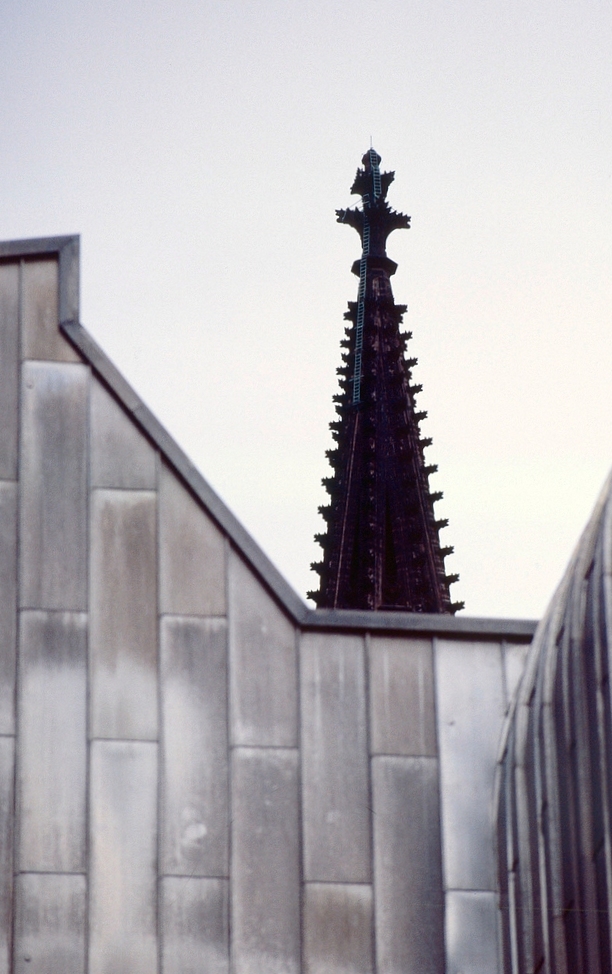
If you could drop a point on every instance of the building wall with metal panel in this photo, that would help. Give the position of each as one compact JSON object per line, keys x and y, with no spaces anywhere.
{"x":554,"y":786}
{"x":197,"y":774}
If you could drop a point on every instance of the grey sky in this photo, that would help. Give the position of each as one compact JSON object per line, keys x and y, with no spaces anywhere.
{"x":201,"y":149}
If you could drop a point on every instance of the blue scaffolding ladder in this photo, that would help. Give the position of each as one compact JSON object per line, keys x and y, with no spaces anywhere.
{"x":363,"y":270}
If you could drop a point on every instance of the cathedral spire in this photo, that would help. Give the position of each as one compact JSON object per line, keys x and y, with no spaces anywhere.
{"x":381,"y":549}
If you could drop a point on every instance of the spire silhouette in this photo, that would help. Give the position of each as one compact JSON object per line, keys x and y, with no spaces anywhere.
{"x":381,"y":549}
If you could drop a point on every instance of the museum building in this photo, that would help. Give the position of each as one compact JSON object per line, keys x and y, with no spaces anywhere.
{"x":198,"y":773}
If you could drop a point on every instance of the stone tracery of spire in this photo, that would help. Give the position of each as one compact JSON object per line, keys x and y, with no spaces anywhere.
{"x":381,"y":549}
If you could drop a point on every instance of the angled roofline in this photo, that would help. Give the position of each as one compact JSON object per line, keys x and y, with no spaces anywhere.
{"x":306,"y":618}
{"x":181,"y":463}
{"x":302,"y":615}
{"x":67,"y":250}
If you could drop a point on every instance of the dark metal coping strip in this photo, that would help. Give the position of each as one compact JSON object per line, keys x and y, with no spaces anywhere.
{"x":342,"y":619}
{"x":67,"y":248}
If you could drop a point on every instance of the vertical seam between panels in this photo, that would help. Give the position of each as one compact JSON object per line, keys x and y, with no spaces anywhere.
{"x":367,"y":640}
{"x":230,"y":754}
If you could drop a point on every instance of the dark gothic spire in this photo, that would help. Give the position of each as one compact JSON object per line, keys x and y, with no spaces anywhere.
{"x":381,"y":549}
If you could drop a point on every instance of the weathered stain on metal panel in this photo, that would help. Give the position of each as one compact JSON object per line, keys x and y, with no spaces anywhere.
{"x":195,"y":812}
{"x":123,"y":600}
{"x":9,"y":369}
{"x":123,"y":851}
{"x":402,"y":710}
{"x":471,"y":706}
{"x":121,"y":456}
{"x":53,"y":483}
{"x":409,"y":899}
{"x":8,"y":604}
{"x":7,"y":777}
{"x":50,"y":924}
{"x":41,"y":337}
{"x":471,"y":933}
{"x":194,"y":917}
{"x":192,"y":553}
{"x":263,"y":664}
{"x":335,"y":788}
{"x":52,"y":743}
{"x":337,"y":928}
{"x":265,"y":910}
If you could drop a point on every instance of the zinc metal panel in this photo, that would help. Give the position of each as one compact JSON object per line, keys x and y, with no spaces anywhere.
{"x":123,"y":853}
{"x":263,"y":664}
{"x":121,"y":456}
{"x":194,"y":916}
{"x":515,"y":655}
{"x":265,"y":896}
{"x":50,"y":924}
{"x":53,"y":479}
{"x":409,"y":898}
{"x":472,"y":933}
{"x":8,"y":604}
{"x":7,"y":777}
{"x":9,"y":369}
{"x":41,"y":337}
{"x":337,"y":929}
{"x":584,"y":761}
{"x":402,"y":710}
{"x":470,"y":709}
{"x":123,"y":603}
{"x":191,"y":553}
{"x":335,"y":786}
{"x":195,"y":812}
{"x":52,"y":743}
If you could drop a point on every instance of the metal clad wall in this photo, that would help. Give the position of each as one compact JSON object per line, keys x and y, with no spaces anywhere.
{"x":338,"y":925}
{"x":120,"y":455}
{"x":194,"y":925}
{"x":195,"y":809}
{"x":52,"y":721}
{"x":53,"y":486}
{"x":192,"y":553}
{"x":9,"y":369}
{"x":50,"y":927}
{"x":554,"y":784}
{"x":7,"y":777}
{"x":471,"y":703}
{"x":514,"y":665}
{"x":265,"y":861}
{"x":8,"y":604}
{"x":41,"y":338}
{"x":123,"y":597}
{"x":263,"y":665}
{"x":471,"y":932}
{"x":471,"y":708}
{"x":201,"y":785}
{"x":123,"y":865}
{"x":402,"y":713}
{"x":335,"y":773}
{"x":407,"y":866}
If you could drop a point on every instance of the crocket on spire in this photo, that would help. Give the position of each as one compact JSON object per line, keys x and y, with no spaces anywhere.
{"x":382,"y":548}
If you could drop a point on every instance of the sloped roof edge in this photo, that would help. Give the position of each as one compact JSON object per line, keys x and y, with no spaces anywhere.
{"x":330,"y":619}
{"x":67,"y":249}
{"x":181,"y":463}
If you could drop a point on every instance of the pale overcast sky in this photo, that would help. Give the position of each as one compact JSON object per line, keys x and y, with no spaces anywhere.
{"x":200,"y":149}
